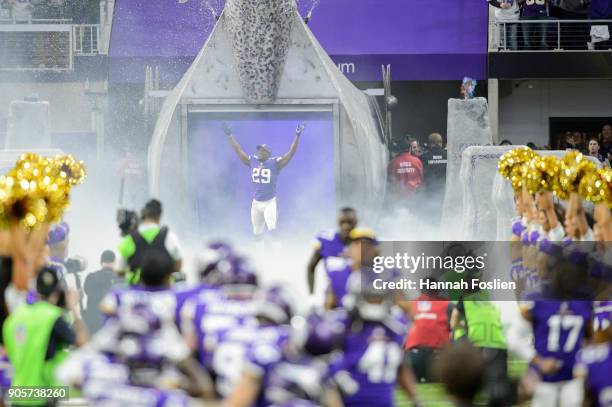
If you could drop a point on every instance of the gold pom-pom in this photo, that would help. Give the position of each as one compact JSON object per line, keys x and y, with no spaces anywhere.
{"x":574,"y":166}
{"x":21,"y":202}
{"x":70,"y":168}
{"x":595,"y":186}
{"x":37,"y":189}
{"x":540,"y":173}
{"x":510,"y":165}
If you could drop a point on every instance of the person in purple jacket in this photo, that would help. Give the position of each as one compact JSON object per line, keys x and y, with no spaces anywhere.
{"x":264,"y":176}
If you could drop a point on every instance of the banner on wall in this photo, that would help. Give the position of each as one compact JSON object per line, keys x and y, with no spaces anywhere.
{"x":421,"y":39}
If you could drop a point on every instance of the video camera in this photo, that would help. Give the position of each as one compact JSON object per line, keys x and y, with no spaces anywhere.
{"x":127,"y":220}
{"x":75,"y":264}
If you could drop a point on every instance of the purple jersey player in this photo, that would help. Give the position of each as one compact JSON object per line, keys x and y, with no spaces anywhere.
{"x":229,"y":348}
{"x":559,"y":328}
{"x":162,"y":300}
{"x":367,"y":371}
{"x":206,"y":317}
{"x":264,"y":175}
{"x":371,"y":365}
{"x":287,"y":379}
{"x":593,"y":365}
{"x":216,"y":265}
{"x":331,"y":246}
{"x":602,"y":318}
{"x":289,"y":374}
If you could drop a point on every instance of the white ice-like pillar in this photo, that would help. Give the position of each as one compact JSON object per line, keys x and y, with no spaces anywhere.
{"x":467,"y":125}
{"x":478,"y":169}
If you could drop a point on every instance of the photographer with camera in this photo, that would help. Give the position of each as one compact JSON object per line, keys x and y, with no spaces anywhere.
{"x":69,"y":268}
{"x":148,"y":234}
{"x":36,"y":335}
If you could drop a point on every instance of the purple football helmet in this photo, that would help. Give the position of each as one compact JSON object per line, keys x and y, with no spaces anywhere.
{"x":219,"y":265}
{"x":316,"y":334}
{"x":275,"y":304}
{"x":241,"y":273}
{"x":211,"y":261}
{"x":58,"y":233}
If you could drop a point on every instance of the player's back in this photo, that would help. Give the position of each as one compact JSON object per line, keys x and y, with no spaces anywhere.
{"x":212,"y":316}
{"x":229,"y":348}
{"x":297,"y":381}
{"x":594,"y":363}
{"x":162,"y":301}
{"x":264,"y":175}
{"x":185,"y":294}
{"x":288,"y":377}
{"x":372,"y":354}
{"x":559,"y":328}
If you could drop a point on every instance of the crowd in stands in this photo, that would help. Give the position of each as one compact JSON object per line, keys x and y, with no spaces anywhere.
{"x":542,"y":36}
{"x":32,"y":11}
{"x":596,"y":144}
{"x":418,"y":170}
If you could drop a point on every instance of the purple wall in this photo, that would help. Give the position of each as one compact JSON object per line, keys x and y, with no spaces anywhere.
{"x":306,"y":187}
{"x":422,"y":39}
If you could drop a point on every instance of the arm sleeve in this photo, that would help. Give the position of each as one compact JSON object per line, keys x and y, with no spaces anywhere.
{"x":173,"y":246}
{"x":125,"y":249}
{"x":62,"y":332}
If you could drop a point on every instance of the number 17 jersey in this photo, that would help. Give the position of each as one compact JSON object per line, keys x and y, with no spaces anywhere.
{"x":263,"y":176}
{"x":558,"y":330}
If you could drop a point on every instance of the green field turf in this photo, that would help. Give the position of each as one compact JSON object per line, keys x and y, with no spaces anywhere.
{"x":432,"y":395}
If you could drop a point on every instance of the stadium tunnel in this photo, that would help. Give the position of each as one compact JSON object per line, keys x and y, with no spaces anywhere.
{"x":263,"y":84}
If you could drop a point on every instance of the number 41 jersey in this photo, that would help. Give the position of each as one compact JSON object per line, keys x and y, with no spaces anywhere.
{"x":558,"y":330}
{"x":367,"y":369}
{"x":263,"y":176}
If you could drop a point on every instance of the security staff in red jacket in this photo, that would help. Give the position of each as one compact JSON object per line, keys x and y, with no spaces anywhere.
{"x":430,"y":331}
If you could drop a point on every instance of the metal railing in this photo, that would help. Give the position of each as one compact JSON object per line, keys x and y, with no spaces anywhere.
{"x":551,"y":35}
{"x":36,"y":47}
{"x":46,"y":47}
{"x":86,"y":39}
{"x":29,"y":20}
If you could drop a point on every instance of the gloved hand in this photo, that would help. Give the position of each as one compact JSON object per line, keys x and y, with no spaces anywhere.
{"x":227,"y":129}
{"x":300,"y":128}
